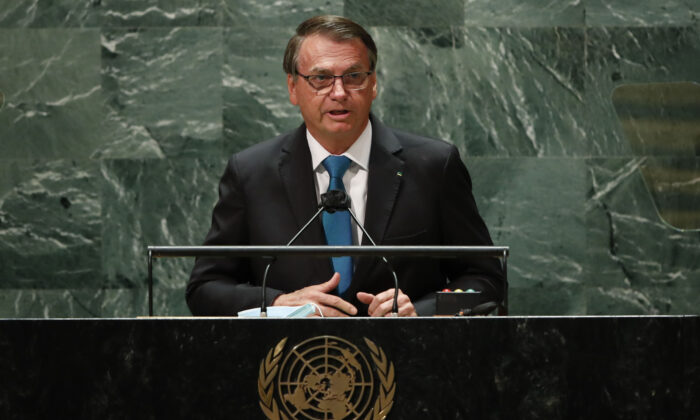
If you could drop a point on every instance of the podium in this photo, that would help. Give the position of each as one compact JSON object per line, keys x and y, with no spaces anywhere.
{"x":324,"y":251}
{"x":422,"y":368}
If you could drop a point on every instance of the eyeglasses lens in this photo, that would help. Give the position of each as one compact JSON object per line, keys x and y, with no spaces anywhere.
{"x":351,"y":81}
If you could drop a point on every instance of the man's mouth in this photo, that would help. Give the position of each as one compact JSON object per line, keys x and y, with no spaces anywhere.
{"x":339,"y":112}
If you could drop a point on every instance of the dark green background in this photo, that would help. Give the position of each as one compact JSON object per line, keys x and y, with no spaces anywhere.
{"x":119,"y":117}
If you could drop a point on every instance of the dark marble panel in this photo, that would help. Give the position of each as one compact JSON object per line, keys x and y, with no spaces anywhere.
{"x":496,"y":368}
{"x":256,"y":100}
{"x":93,"y":303}
{"x":163,"y":89}
{"x":419,"y":78}
{"x":282,"y":13}
{"x":534,"y":206}
{"x":474,"y":87}
{"x":519,"y":13}
{"x":494,"y":92}
{"x":50,"y":223}
{"x":155,"y":202}
{"x":636,"y":13}
{"x":49,"y":13}
{"x":618,"y":56}
{"x":637,"y":264}
{"x":414,"y":13}
{"x":104,"y":373}
{"x":59,"y":303}
{"x":524,"y":92}
{"x":140,"y":13}
{"x":119,"y":13}
{"x":51,"y":82}
{"x":691,"y":359}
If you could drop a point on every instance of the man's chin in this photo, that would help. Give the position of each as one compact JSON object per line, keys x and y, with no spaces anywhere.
{"x":339,"y":127}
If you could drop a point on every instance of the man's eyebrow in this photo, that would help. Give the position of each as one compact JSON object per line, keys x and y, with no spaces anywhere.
{"x":322,"y":70}
{"x":354,"y":67}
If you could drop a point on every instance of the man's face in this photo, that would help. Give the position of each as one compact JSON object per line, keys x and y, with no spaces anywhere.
{"x":336,"y":119}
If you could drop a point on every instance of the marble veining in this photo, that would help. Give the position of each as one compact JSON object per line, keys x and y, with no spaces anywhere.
{"x":640,"y":261}
{"x":50,"y":226}
{"x":530,"y":13}
{"x":499,"y":368}
{"x":165,"y":84}
{"x":119,"y":116}
{"x":52,"y":93}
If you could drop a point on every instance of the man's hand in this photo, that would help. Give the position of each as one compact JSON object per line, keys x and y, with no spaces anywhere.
{"x":330,"y":305}
{"x":380,"y":305}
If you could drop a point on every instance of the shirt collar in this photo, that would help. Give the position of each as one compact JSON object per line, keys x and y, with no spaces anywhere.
{"x":358,"y":152}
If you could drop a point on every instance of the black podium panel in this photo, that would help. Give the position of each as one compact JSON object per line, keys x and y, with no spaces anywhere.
{"x":424,"y":368}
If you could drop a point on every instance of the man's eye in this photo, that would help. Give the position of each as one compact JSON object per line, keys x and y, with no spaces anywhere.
{"x":320,"y":78}
{"x":353,"y":76}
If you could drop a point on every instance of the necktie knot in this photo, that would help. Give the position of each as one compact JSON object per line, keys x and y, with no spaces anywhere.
{"x":336,"y":167}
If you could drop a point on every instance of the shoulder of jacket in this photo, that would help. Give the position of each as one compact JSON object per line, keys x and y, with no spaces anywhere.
{"x":416,"y":143}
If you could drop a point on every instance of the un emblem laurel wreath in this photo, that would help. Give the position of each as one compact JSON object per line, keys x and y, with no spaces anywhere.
{"x":269,"y":367}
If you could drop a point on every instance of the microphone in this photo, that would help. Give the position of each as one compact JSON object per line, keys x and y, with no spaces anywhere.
{"x":335,"y":200}
{"x":331,"y":201}
{"x":481,"y":309}
{"x":263,"y":304}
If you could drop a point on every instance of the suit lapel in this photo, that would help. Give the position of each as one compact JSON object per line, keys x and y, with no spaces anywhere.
{"x":383,"y":183}
{"x":297,"y":177}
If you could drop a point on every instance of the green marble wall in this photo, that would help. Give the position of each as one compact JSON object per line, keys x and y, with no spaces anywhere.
{"x":119,"y":115}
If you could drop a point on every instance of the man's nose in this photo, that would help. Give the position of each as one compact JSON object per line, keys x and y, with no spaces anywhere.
{"x":338,"y":89}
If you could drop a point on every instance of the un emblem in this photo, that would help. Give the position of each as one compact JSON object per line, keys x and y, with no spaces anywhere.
{"x":326,"y":378}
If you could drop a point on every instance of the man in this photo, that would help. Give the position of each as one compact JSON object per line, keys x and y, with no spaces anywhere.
{"x":405,"y":189}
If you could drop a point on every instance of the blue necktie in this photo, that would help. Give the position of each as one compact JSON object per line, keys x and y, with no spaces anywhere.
{"x":337,"y":225}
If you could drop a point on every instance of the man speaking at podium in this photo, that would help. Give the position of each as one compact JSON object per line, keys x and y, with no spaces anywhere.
{"x":405,"y":189}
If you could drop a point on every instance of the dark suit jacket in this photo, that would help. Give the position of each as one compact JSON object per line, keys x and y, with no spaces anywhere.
{"x":418,"y":193}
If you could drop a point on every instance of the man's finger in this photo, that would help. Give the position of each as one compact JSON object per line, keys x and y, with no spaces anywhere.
{"x":407,"y":310}
{"x":387,"y":294}
{"x":382,"y":304}
{"x":331,"y":284}
{"x":380,"y":299}
{"x":329,"y":311}
{"x":365,"y":298}
{"x":338,"y":303}
{"x":385,"y":308}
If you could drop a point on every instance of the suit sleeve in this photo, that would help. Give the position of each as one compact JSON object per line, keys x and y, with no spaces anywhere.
{"x":461,"y":224}
{"x":225,"y":286}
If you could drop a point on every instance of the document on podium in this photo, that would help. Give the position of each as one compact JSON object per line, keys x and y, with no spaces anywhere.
{"x":281,"y":312}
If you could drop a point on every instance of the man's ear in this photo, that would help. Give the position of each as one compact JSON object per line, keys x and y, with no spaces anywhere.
{"x":292,"y":88}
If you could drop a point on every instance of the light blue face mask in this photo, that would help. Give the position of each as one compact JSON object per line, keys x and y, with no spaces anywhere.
{"x":282,"y":311}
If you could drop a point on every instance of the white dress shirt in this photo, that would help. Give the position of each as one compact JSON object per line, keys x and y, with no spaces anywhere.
{"x":355,"y":178}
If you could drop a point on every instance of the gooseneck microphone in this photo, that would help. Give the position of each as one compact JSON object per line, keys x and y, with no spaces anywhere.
{"x":331,"y":201}
{"x":263,"y":304}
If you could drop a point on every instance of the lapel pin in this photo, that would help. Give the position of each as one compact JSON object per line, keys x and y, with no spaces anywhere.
{"x":399,"y":173}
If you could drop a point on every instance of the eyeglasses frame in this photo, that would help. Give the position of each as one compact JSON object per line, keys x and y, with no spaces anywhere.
{"x":322,"y":91}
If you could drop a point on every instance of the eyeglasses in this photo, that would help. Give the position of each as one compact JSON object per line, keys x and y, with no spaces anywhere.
{"x":351,"y":81}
